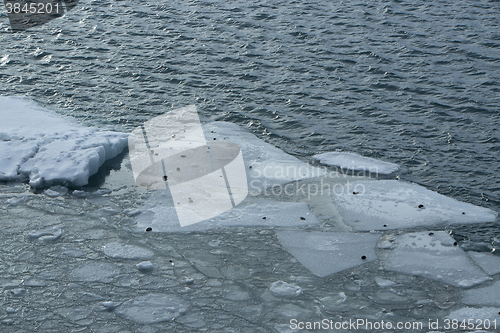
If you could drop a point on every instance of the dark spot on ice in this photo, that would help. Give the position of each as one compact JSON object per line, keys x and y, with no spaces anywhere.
{"x":385,"y":225}
{"x":264,"y":218}
{"x":355,"y":193}
{"x":420,"y":206}
{"x":302,"y":218}
{"x":431,"y":233}
{"x":463,"y":213}
{"x":250,"y":167}
{"x":149,"y":229}
{"x":215,"y":139}
{"x":183,"y":155}
{"x":165,"y":178}
{"x":178,"y":169}
{"x":455,"y":244}
{"x":363,"y":257}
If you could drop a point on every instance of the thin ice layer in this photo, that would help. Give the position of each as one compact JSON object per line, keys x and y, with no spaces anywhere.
{"x":489,"y":262}
{"x":432,"y":255}
{"x":161,"y":216}
{"x":392,"y":204}
{"x":327,"y":253}
{"x":479,"y":316}
{"x":355,"y":162}
{"x":489,"y":295}
{"x":266,"y":166}
{"x":46,"y":148}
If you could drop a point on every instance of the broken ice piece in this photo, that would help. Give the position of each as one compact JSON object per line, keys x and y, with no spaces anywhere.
{"x":429,"y":255}
{"x":327,"y":253}
{"x":145,"y":266}
{"x":281,"y":288}
{"x":489,"y":262}
{"x":393,"y":204}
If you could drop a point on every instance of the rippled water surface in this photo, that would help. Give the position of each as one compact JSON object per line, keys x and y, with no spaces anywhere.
{"x":416,"y":84}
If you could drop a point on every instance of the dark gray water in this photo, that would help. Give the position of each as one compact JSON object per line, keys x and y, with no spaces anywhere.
{"x":411,"y":83}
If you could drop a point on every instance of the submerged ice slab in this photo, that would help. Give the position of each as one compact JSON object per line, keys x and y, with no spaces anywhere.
{"x":489,"y":262}
{"x":46,"y":148}
{"x":392,"y":204}
{"x":328,"y":253}
{"x":152,"y":308}
{"x":432,"y":255}
{"x":121,"y":251}
{"x":489,"y":295}
{"x":482,"y":314}
{"x":355,"y":162}
{"x":160,"y":216}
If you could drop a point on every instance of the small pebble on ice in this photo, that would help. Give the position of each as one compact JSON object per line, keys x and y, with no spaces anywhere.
{"x":145,"y":266}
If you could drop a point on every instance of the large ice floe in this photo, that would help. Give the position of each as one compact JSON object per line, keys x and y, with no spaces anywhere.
{"x":393,"y":204}
{"x":46,"y":148}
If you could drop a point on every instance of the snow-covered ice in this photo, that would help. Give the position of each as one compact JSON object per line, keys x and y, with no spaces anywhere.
{"x":392,"y":204}
{"x":47,"y":149}
{"x":327,"y":253}
{"x":432,"y":255}
{"x":355,"y":162}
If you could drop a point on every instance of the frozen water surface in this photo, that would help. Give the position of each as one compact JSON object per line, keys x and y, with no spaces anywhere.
{"x":488,"y":262}
{"x":328,"y":253}
{"x":432,"y":255}
{"x":355,"y":162}
{"x":152,"y":308}
{"x":489,"y":295}
{"x":83,"y":260}
{"x":391,"y":204}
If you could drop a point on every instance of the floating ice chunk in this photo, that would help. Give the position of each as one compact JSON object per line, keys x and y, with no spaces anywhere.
{"x":266,"y":165}
{"x":355,"y":162}
{"x":56,"y":191}
{"x":433,"y":256}
{"x":483,"y":296}
{"x":120,"y":251}
{"x":383,"y":283}
{"x":161,"y":217}
{"x":489,"y":262}
{"x":328,"y":253}
{"x":281,"y":288}
{"x":109,"y":305}
{"x":94,"y":271}
{"x":145,"y":266}
{"x":392,"y":204}
{"x":484,"y":313}
{"x":46,"y":148}
{"x":153,"y":308}
{"x":48,"y":235}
